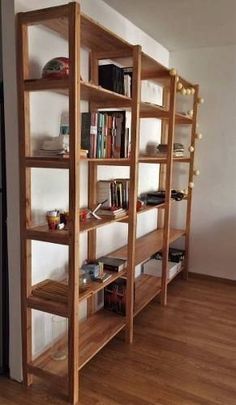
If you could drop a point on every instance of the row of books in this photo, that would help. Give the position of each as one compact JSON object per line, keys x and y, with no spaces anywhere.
{"x":115,"y":193}
{"x":116,"y":79}
{"x":104,"y":134}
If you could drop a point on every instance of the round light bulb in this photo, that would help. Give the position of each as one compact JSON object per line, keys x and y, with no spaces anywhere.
{"x":183,"y":91}
{"x":188,"y":92}
{"x":191,"y":148}
{"x":192,"y":90}
{"x":198,"y":136}
{"x":177,"y":79}
{"x":200,"y":100}
{"x":173,"y":72}
{"x":179,"y":86}
{"x":191,"y":184}
{"x":190,"y":113}
{"x":196,"y":172}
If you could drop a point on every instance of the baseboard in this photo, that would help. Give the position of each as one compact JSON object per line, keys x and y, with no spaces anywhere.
{"x":212,"y":278}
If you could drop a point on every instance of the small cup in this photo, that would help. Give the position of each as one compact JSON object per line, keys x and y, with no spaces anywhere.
{"x":53,"y":222}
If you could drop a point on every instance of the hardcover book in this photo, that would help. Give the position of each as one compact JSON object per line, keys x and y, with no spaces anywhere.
{"x":113,"y":263}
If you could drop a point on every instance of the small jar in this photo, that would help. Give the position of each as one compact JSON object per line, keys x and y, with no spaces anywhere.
{"x":84,"y":280}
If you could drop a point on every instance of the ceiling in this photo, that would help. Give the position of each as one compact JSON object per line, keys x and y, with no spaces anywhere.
{"x":183,"y":24}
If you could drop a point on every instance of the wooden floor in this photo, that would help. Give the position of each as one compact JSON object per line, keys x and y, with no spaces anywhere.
{"x":184,"y":354}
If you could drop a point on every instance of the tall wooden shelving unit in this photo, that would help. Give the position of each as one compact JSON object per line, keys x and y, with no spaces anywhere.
{"x":88,"y":337}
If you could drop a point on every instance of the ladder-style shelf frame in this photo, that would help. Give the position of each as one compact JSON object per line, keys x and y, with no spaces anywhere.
{"x":69,"y":23}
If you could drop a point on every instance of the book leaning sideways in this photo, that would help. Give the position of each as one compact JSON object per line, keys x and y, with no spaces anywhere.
{"x":113,"y":263}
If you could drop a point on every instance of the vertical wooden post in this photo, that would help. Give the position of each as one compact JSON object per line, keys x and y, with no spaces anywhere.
{"x":164,"y":139}
{"x":74,"y":201}
{"x":136,"y":80}
{"x":190,"y":179}
{"x":92,"y":176}
{"x":25,"y":195}
{"x":166,"y":231}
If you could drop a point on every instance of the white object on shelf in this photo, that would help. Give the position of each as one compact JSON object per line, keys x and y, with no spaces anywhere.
{"x":154,"y":268}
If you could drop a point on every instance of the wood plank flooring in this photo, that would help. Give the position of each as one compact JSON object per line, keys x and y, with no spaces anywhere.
{"x":184,"y":354}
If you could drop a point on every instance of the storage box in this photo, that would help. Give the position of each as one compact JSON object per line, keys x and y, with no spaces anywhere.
{"x":154,"y":268}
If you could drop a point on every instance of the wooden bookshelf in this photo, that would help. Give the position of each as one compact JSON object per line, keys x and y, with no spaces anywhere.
{"x":86,"y":338}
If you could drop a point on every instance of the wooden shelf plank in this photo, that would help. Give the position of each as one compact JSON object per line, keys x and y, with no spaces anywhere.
{"x":148,"y":244}
{"x":47,"y":162}
{"x":146,"y":288}
{"x":59,"y":85}
{"x":59,"y":162}
{"x":98,"y":38}
{"x":94,"y":334}
{"x":153,"y":159}
{"x":109,"y":161}
{"x":150,"y":110}
{"x":52,"y":307}
{"x":42,"y":233}
{"x":162,"y":159}
{"x":183,"y":119}
{"x":101,"y":96}
{"x":88,"y":91}
{"x":97,"y":223}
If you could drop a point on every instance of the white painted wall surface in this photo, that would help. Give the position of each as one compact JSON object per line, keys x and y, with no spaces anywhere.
{"x":41,"y":193}
{"x":213,"y":236}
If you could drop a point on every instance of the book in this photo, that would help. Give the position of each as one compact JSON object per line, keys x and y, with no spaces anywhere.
{"x":103,"y":278}
{"x":113,"y":263}
{"x":116,"y":213}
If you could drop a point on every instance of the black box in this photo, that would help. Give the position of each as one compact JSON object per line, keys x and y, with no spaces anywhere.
{"x":111,"y":77}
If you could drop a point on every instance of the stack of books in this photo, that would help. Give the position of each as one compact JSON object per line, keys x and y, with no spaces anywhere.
{"x":105,"y":135}
{"x":115,"y":193}
{"x":112,"y":213}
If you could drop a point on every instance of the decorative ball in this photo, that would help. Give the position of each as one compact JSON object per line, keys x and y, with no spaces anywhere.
{"x":191,"y":184}
{"x":56,"y":68}
{"x":179,"y":86}
{"x":199,"y":136}
{"x":183,"y":91}
{"x":200,"y":100}
{"x":173,"y":72}
{"x":188,"y":92}
{"x":196,"y":172}
{"x":191,"y":148}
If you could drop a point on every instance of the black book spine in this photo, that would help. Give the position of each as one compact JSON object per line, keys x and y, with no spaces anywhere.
{"x":85,"y":131}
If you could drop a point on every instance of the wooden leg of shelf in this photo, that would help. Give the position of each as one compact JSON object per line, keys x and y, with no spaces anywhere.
{"x":164,"y":296}
{"x":27,"y":346}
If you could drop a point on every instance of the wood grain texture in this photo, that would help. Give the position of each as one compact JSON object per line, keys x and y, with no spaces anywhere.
{"x":183,"y":354}
{"x":168,"y":185}
{"x":190,"y":179}
{"x":25,"y":192}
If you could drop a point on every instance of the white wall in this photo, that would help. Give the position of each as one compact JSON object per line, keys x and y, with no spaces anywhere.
{"x":213,"y":236}
{"x":105,"y":15}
